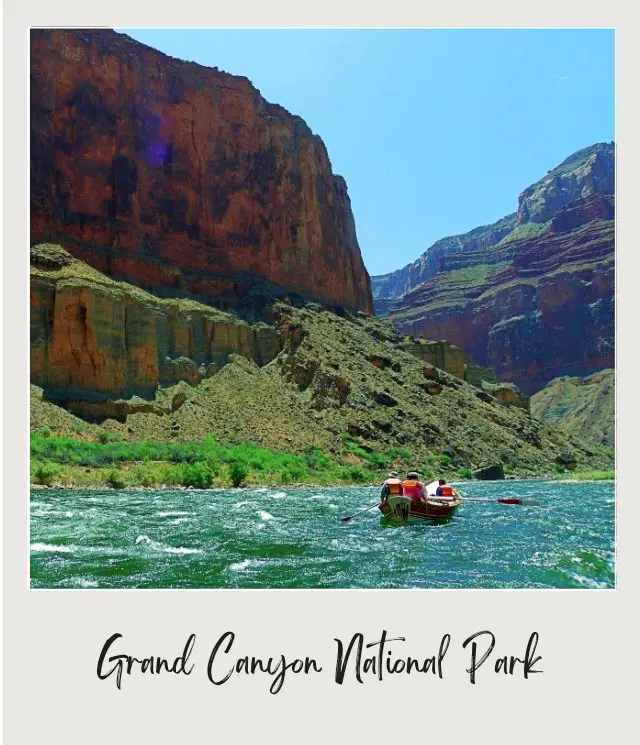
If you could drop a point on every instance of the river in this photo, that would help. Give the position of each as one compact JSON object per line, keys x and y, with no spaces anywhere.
{"x":293,"y":538}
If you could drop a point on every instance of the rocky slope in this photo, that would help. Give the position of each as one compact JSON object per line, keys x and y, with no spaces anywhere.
{"x":348,"y":383}
{"x":95,"y":340}
{"x":182,"y":179}
{"x":531,"y":296}
{"x":582,"y":407}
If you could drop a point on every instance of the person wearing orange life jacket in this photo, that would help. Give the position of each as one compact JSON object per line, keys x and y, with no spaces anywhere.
{"x":391,"y":486}
{"x":414,"y":488}
{"x":444,"y":490}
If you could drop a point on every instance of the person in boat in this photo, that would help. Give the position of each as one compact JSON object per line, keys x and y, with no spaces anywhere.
{"x":413,"y":488}
{"x":444,"y":490}
{"x":392,"y":485}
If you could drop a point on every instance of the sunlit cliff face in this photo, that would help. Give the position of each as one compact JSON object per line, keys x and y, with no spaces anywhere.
{"x":181,"y":178}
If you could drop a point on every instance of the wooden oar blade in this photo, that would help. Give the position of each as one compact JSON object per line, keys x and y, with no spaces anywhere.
{"x":346,"y":519}
{"x":513,"y":500}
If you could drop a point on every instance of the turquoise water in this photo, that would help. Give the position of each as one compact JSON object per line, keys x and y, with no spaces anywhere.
{"x":264,"y":538}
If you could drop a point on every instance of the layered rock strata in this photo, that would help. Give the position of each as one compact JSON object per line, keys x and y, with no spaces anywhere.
{"x":531,"y":296}
{"x":183,"y":179}
{"x":105,"y":349}
{"x":96,"y":340}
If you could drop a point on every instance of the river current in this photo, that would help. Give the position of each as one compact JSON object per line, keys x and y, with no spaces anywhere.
{"x":293,"y":538}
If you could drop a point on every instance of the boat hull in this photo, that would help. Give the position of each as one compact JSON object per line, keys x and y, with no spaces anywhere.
{"x":403,"y":511}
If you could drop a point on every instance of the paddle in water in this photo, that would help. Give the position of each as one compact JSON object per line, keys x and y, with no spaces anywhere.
{"x":503,"y":500}
{"x":355,"y":514}
{"x":506,"y":500}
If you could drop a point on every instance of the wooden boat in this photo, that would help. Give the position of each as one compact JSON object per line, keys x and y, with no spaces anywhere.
{"x":400,"y":510}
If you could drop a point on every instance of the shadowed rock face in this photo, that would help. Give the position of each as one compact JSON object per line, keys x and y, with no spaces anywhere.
{"x":531,"y":296}
{"x":182,"y":179}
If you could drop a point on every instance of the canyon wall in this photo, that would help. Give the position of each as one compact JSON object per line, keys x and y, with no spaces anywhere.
{"x":183,"y":179}
{"x":95,"y":340}
{"x":531,"y":296}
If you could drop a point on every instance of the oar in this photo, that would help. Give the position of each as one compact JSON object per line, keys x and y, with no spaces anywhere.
{"x":505,"y":500}
{"x":355,"y":514}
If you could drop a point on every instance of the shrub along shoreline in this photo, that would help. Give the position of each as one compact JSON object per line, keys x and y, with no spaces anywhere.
{"x":207,"y":464}
{"x":588,"y":476}
{"x":115,"y":463}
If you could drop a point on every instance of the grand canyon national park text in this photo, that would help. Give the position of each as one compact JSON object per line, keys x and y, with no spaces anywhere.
{"x":356,"y":658}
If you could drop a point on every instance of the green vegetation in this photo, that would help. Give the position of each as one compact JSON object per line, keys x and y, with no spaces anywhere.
{"x":238,"y":473}
{"x":593,"y":476}
{"x":473,"y":275}
{"x":115,"y":479}
{"x":525,"y":231}
{"x":207,"y":464}
{"x":199,"y":475}
{"x":354,"y":475}
{"x":44,"y":473}
{"x":399,"y":454}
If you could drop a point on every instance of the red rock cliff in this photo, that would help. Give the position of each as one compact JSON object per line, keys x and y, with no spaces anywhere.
{"x":182,"y":179}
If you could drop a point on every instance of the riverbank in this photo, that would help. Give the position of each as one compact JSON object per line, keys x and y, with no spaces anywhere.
{"x":589,"y":476}
{"x":68,"y":462}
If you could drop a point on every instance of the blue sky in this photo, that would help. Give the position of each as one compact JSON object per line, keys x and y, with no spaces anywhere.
{"x":436,"y":131}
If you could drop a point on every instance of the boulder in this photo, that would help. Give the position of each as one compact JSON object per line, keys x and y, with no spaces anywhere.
{"x":507,"y":394}
{"x":429,"y":371}
{"x":567,"y":459}
{"x":380,"y":362}
{"x":384,"y":399}
{"x":118,"y":410}
{"x":489,"y":473}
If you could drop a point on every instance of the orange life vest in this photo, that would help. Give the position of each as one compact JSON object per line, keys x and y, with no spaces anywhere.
{"x":394,"y":486}
{"x":413,"y":489}
{"x":445,"y":491}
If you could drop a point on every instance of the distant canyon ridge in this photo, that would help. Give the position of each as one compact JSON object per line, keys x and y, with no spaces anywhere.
{"x":531,"y":295}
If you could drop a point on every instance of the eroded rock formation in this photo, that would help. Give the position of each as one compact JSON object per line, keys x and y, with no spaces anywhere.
{"x":182,"y":179}
{"x":97,"y":340}
{"x":531,"y":296}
